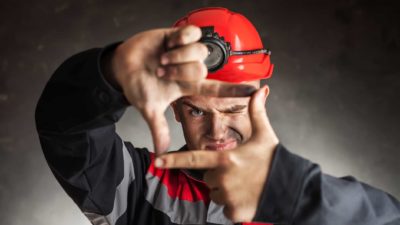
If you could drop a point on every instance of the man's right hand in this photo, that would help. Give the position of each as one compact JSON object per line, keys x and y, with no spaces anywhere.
{"x":156,"y":67}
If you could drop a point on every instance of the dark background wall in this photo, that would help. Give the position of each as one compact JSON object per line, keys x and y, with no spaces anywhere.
{"x":335,"y":91}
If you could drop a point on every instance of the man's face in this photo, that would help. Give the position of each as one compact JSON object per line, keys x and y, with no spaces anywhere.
{"x":214,"y":123}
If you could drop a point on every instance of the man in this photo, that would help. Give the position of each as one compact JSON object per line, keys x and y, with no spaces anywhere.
{"x":233,"y":168}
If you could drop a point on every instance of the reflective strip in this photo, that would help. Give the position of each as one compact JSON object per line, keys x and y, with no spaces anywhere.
{"x":121,"y":194}
{"x":96,"y":219}
{"x":216,"y":215}
{"x":179,"y":211}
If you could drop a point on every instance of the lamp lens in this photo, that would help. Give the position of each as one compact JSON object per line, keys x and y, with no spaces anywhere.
{"x":215,"y":56}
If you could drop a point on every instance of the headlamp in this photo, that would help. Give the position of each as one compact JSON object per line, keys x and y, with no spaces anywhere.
{"x":219,"y":51}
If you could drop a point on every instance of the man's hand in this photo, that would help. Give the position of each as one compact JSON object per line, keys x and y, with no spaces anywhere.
{"x":236,"y":177}
{"x":156,"y":67}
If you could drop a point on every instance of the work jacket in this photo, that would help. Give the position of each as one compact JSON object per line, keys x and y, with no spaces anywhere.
{"x":115,"y":183}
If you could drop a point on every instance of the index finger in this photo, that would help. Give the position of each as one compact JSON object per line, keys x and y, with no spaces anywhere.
{"x":216,"y":89}
{"x":194,"y":159}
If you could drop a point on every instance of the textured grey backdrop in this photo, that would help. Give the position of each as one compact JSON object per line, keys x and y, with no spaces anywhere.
{"x":335,"y":91}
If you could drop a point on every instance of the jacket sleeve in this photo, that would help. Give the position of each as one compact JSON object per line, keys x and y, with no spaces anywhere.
{"x":298,"y":193}
{"x":75,"y":119}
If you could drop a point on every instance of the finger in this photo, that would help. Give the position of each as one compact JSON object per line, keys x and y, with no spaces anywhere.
{"x":194,"y":159}
{"x":183,"y":36}
{"x":190,"y":72}
{"x":257,"y":111}
{"x":217,"y":89}
{"x":159,"y":130}
{"x":188,"y":53}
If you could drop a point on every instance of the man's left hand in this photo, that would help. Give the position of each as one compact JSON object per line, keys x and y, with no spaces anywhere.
{"x":235,"y":177}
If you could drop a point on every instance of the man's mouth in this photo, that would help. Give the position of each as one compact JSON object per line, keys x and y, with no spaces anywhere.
{"x":221,"y":146}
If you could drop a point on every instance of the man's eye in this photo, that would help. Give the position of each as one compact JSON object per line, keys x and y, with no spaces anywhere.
{"x":196,"y":112}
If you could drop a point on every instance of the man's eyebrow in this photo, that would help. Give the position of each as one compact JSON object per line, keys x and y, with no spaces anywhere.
{"x":184,"y":102}
{"x":234,"y":108}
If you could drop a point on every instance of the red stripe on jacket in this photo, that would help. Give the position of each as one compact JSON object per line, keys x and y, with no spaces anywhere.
{"x":180,"y":185}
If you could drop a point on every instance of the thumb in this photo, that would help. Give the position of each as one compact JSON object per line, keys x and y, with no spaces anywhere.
{"x":258,"y":114}
{"x":159,"y":130}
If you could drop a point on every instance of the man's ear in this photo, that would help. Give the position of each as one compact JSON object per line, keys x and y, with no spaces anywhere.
{"x":174,"y":106}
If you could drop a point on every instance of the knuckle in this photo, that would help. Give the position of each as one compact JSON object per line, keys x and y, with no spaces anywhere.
{"x":171,"y":161}
{"x":182,"y":36}
{"x":199,"y":70}
{"x":202,"y":48}
{"x":192,"y":159}
{"x":172,"y":71}
{"x":181,"y":39}
{"x":188,"y":33}
{"x":203,"y":70}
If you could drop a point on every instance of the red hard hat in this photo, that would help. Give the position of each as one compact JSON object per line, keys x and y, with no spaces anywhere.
{"x":242,"y":36}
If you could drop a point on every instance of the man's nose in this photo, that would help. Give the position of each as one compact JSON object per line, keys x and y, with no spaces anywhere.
{"x":217,"y":128}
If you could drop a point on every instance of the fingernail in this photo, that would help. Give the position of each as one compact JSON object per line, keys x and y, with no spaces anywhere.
{"x":160,"y":72}
{"x":164,"y":60}
{"x":159,"y":162}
